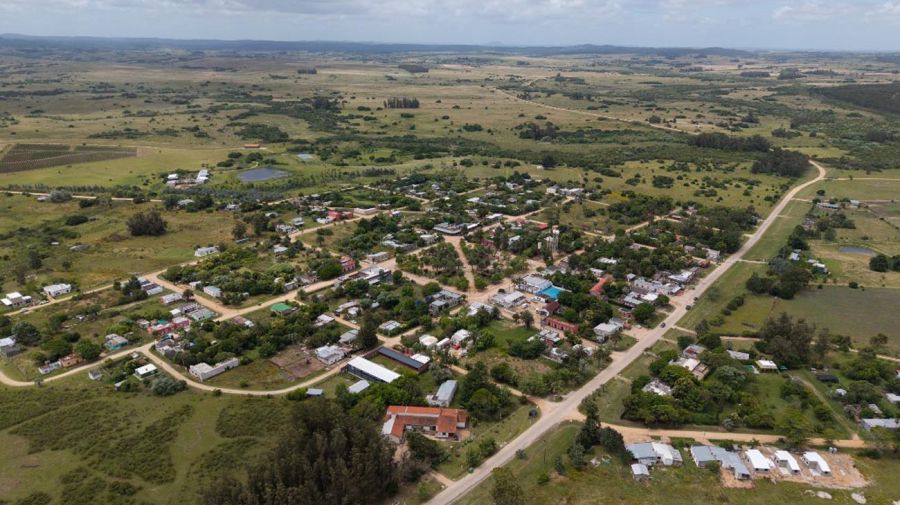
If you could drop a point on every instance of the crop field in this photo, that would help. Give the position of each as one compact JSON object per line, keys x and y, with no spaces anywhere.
{"x":23,"y":157}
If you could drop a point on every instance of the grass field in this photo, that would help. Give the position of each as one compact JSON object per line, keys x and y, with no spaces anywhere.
{"x":672,"y":486}
{"x":111,"y":252}
{"x":204,"y":436}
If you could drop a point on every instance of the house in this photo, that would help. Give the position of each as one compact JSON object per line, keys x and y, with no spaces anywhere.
{"x":348,"y":264}
{"x":704,"y":454}
{"x":171,"y":298}
{"x":534,"y":283}
{"x":9,"y":348}
{"x":693,"y":351}
{"x":115,"y":342}
{"x":448,"y":229}
{"x":315,"y":392}
{"x":199,"y":315}
{"x":378,"y":257}
{"x":428,"y":341}
{"x":698,"y":369}
{"x":559,"y":324}
{"x":213,"y":291}
{"x":549,"y":337}
{"x":329,"y":354}
{"x":16,"y":299}
{"x":358,"y":387}
{"x":475,"y":307}
{"x":738,"y":355}
{"x":683,"y":277}
{"x":888,"y":424}
{"x":145,"y":371}
{"x":444,"y":395}
{"x":509,"y":300}
{"x":816,"y":462}
{"x":597,"y":289}
{"x":407,"y":361}
{"x":758,"y":462}
{"x":279,"y":249}
{"x":605,"y":330}
{"x":365,"y":369}
{"x":657,"y":387}
{"x":365,"y":212}
{"x":203,"y":371}
{"x":892,"y":398}
{"x":390,"y":327}
{"x":57,"y":290}
{"x":786,"y":462}
{"x":766,"y":365}
{"x":348,"y":337}
{"x":640,"y":471}
{"x":323,"y":320}
{"x":651,"y":453}
{"x":460,"y":337}
{"x":49,"y":368}
{"x":282,"y":309}
{"x":201,"y":252}
{"x":70,"y":360}
{"x":435,"y":421}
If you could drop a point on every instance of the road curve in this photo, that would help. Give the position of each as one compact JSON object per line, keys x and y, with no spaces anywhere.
{"x":570,"y":403}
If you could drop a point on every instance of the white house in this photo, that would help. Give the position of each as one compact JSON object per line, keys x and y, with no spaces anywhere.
{"x":204,"y":371}
{"x":766,"y":365}
{"x":145,"y":371}
{"x":758,"y":462}
{"x":816,"y":462}
{"x":329,"y":354}
{"x":213,"y":291}
{"x":57,"y":290}
{"x":444,"y":394}
{"x":786,"y":462}
{"x":16,"y":299}
{"x":201,"y":252}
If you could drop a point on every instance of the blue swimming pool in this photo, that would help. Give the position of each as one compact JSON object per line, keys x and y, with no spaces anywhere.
{"x":552,"y":292}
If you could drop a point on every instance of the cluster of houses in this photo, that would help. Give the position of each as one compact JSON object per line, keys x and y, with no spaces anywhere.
{"x":176,"y":180}
{"x":15,"y":299}
{"x":816,"y":265}
{"x":741,"y":464}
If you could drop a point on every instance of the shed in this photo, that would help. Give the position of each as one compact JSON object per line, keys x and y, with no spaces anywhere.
{"x":758,"y":462}
{"x":786,"y":461}
{"x":640,"y":471}
{"x":816,"y":462}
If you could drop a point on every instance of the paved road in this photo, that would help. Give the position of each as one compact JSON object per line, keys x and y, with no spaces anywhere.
{"x":570,"y":403}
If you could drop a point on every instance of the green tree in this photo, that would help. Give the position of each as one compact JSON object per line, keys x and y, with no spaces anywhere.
{"x":507,"y":490}
{"x":368,"y":338}
{"x":88,"y":350}
{"x":643,"y":313}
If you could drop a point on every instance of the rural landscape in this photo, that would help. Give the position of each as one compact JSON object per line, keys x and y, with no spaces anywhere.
{"x":347,"y":273}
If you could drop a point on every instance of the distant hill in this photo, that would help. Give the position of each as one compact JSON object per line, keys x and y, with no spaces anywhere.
{"x":24,"y":41}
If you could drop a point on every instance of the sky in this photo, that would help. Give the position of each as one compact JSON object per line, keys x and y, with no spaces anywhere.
{"x":754,"y":24}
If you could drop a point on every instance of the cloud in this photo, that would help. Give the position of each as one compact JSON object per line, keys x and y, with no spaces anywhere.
{"x":886,"y":11}
{"x":809,"y":11}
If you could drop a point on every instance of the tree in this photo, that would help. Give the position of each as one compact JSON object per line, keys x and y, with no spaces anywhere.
{"x":879,"y":341}
{"x":880,"y":263}
{"x":821,"y":345}
{"x":88,"y":350}
{"x":786,"y":340}
{"x":26,"y":334}
{"x":795,"y":427}
{"x":576,"y":455}
{"x":643,"y":312}
{"x":527,"y":319}
{"x":324,"y":456}
{"x":148,"y":223}
{"x":507,"y":490}
{"x":368,"y":337}
{"x":239,"y":231}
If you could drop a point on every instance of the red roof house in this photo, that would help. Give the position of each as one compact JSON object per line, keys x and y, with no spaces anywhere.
{"x":435,"y":421}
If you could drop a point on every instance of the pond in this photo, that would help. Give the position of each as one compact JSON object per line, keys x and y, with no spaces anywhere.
{"x":261,"y":174}
{"x":854,"y":249}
